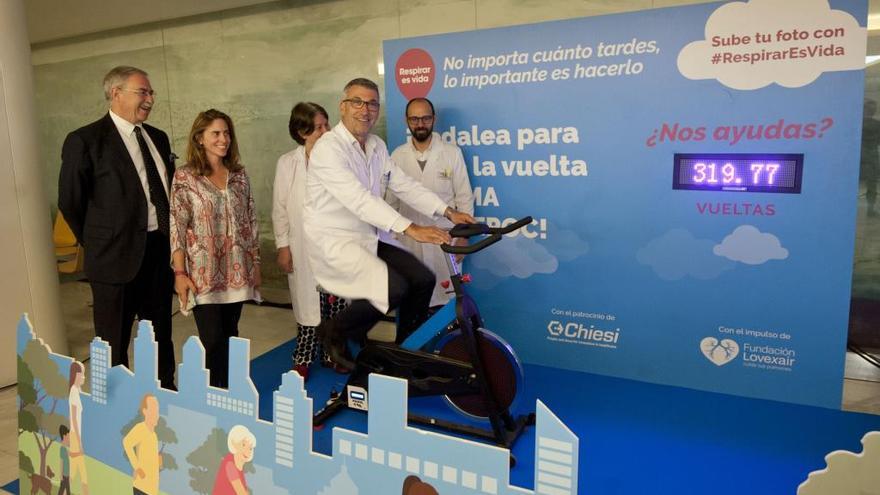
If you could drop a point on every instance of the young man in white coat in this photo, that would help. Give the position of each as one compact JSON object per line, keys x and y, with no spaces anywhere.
{"x":439,"y":167}
{"x":345,"y":215}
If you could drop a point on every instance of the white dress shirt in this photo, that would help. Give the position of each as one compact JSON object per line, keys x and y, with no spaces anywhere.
{"x":126,"y":130}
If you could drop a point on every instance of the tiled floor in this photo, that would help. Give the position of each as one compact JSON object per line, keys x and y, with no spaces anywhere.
{"x":267,"y":327}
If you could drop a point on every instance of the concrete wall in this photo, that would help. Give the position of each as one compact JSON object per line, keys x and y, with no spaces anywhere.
{"x":254,"y":63}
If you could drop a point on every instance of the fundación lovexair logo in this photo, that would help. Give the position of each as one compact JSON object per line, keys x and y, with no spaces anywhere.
{"x":719,"y":352}
{"x":578,"y":333}
{"x":759,"y":356}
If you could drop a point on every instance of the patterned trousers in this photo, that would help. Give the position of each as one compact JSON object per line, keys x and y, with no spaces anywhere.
{"x":307,"y":346}
{"x":307,"y":343}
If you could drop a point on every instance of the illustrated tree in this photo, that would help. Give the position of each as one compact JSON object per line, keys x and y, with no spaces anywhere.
{"x":24,"y":463}
{"x":27,"y":395}
{"x":205,"y":461}
{"x":40,"y":386}
{"x":164,"y":433}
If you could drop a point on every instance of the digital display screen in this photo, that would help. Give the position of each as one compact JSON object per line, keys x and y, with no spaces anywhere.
{"x":357,"y":396}
{"x":752,"y":172}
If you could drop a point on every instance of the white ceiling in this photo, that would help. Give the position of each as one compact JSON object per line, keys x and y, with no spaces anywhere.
{"x":50,"y":20}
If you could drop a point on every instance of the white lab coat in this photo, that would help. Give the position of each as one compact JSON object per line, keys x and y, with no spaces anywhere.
{"x":445,"y":173}
{"x":288,"y":202}
{"x":345,"y":213}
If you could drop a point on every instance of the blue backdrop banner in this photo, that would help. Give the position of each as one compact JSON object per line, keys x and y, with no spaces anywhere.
{"x":692,"y":172}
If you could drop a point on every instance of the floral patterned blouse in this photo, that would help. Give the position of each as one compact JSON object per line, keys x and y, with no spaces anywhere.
{"x":217,"y":229}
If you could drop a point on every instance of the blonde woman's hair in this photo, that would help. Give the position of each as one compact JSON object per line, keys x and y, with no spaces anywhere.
{"x":236,"y":435}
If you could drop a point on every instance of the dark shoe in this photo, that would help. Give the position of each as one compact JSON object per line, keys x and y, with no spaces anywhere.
{"x":333,"y":343}
{"x":342,"y":370}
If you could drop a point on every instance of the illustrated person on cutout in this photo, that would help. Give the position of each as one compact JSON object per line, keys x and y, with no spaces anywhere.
{"x":141,"y":446}
{"x":230,"y":478}
{"x":77,"y":378}
{"x":413,"y":485}
{"x":64,"y":455}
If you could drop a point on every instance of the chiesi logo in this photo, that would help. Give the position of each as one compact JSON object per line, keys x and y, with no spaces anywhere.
{"x":719,"y":352}
{"x":576,"y":333}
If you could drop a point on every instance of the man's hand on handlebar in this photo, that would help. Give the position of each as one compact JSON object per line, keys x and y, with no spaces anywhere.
{"x":429,"y":234}
{"x":491,"y":235}
{"x":457,"y":217}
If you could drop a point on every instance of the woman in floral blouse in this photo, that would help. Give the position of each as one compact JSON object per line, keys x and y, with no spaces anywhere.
{"x":215,"y":249}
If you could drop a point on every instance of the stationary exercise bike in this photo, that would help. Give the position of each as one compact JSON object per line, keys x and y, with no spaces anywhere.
{"x":449,"y":355}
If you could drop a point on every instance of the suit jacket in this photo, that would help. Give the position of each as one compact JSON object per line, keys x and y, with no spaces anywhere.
{"x":103,"y":201}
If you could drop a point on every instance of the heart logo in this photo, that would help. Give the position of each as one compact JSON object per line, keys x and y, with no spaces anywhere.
{"x":721,"y":352}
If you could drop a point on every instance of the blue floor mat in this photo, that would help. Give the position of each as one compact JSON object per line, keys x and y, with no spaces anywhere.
{"x":637,"y":437}
{"x":11,"y":487}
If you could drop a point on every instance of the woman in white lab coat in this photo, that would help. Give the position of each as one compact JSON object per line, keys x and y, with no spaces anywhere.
{"x":308,"y":121}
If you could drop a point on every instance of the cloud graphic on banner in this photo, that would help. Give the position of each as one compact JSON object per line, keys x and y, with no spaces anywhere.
{"x":678,"y":254}
{"x":566,"y":245}
{"x":518,"y":257}
{"x":749,"y":245}
{"x":485,"y":281}
{"x":799,"y":41}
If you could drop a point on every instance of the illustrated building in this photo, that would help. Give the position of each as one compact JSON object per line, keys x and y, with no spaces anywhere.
{"x":375,"y":462}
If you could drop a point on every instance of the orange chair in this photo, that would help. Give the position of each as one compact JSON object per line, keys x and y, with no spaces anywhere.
{"x":68,"y":253}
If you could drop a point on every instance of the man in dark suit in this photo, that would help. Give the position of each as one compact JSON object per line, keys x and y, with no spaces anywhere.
{"x":113,"y":192}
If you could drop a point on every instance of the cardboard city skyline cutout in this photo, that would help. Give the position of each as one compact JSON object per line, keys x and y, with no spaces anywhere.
{"x":200,"y":430}
{"x":847,"y":472}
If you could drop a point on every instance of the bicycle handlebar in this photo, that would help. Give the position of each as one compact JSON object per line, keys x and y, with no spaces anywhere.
{"x":522,"y":222}
{"x":470,"y":230}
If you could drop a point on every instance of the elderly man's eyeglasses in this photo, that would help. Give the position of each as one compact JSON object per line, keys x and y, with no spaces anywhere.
{"x":358,"y":103}
{"x":427,"y":119}
{"x":143,"y":93}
